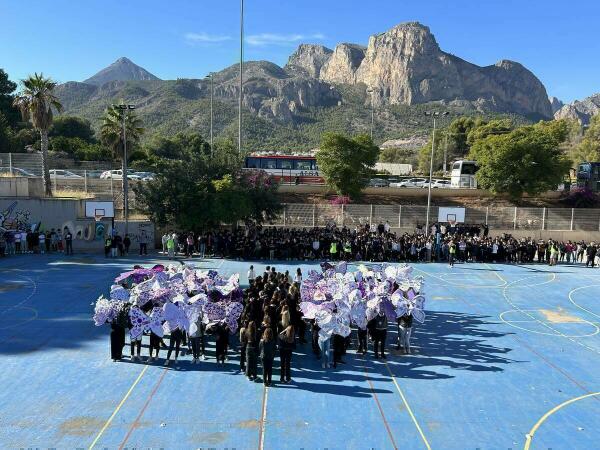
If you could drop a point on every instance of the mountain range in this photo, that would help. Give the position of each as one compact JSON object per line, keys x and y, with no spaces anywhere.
{"x":401,"y":73}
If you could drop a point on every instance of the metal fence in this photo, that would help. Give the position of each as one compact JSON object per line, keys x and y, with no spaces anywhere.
{"x":31,"y":163}
{"x":409,"y":216}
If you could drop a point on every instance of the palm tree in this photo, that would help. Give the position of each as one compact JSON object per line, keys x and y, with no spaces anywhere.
{"x":37,"y":104}
{"x":111,"y":133}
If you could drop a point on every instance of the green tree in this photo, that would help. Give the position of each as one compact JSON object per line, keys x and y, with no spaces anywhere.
{"x":6,"y":135}
{"x":346,"y":163}
{"x":438,"y":153}
{"x":7,"y":88}
{"x":484,"y":129}
{"x":72,"y":127}
{"x":589,"y":148}
{"x":457,"y":134}
{"x":121,"y":130}
{"x":197,"y":192}
{"x":528,"y":159}
{"x":397,"y":156}
{"x":37,"y":103}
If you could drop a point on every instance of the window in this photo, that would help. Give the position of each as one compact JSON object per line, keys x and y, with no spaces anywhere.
{"x":253,"y":163}
{"x":469,"y":169}
{"x":456,"y":166}
{"x":269,"y":164}
{"x":285,"y":164}
{"x":304,"y":164}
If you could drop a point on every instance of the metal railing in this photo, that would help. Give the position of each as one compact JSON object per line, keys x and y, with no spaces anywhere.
{"x":410,"y":216}
{"x":27,"y":162}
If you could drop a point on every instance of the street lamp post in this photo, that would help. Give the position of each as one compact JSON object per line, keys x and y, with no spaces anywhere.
{"x":241,"y":75}
{"x":124,"y":108}
{"x":371,"y":91}
{"x":210,"y":75}
{"x":434,"y":115}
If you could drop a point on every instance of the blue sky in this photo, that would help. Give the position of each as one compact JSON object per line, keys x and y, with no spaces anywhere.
{"x":71,"y":40}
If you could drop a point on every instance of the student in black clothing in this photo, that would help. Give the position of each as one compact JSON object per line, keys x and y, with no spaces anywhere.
{"x":267,"y":355}
{"x":380,"y":330}
{"x":174,"y":342}
{"x":126,"y":244}
{"x":69,"y":242}
{"x":362,"y":341}
{"x":251,"y":358}
{"x":591,"y":255}
{"x":243,"y":345}
{"x":338,"y":349}
{"x":222,"y":342}
{"x":117,"y":340}
{"x":286,"y":346}
{"x":155,"y":342}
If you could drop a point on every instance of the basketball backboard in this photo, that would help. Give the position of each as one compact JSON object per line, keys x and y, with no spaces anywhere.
{"x":95,"y":209}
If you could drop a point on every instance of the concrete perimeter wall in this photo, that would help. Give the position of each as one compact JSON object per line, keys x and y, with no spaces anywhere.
{"x":22,"y":213}
{"x":21,"y":187}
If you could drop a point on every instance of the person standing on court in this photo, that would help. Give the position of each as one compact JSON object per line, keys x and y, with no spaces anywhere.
{"x":381,"y":325}
{"x":143,"y":243}
{"x":171,"y":245}
{"x":69,"y":242}
{"x":251,"y":357}
{"x":126,"y":244}
{"x":591,"y":255}
{"x":286,"y":347}
{"x":267,"y":355}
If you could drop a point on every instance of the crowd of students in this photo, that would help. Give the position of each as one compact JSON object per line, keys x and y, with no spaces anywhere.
{"x":270,"y":326}
{"x":19,"y":242}
{"x":465,"y":243}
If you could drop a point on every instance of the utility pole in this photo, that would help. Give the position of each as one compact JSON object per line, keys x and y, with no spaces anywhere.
{"x":434,"y":114}
{"x":241,"y":75}
{"x":211,"y":75}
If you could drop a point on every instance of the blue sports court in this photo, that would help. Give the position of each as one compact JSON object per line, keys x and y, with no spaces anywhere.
{"x":508,"y":357}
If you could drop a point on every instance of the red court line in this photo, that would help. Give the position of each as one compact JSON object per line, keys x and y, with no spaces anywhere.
{"x":385,"y":422}
{"x":141,"y":413}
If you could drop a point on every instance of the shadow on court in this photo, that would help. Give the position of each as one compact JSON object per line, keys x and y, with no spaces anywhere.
{"x":452,"y":341}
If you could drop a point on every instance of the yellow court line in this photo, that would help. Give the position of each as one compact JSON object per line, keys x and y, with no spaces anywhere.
{"x":412,"y":416}
{"x":110,"y":419}
{"x":549,"y":413}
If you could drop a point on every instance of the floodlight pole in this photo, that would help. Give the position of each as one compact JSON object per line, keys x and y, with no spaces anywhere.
{"x":434,"y":114}
{"x":211,"y":112}
{"x":241,"y":75}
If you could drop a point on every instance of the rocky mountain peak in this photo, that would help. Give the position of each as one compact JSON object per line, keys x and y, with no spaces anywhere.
{"x":580,"y":110}
{"x":343,"y":64}
{"x":555,"y":103}
{"x":123,"y":69}
{"x":309,"y":59}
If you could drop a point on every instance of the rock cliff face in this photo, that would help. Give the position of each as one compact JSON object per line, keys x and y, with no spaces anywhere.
{"x":406,"y":66}
{"x":555,"y":104}
{"x":343,"y":64}
{"x":580,"y":110}
{"x":308,"y":60}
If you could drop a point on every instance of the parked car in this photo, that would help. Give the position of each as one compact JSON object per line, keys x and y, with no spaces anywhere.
{"x":15,"y":172}
{"x":441,"y":184}
{"x":118,"y":175}
{"x":146,"y":176}
{"x":393,"y":180}
{"x":94,"y":173}
{"x":63,"y":174}
{"x":378,"y":182}
{"x":410,"y":183}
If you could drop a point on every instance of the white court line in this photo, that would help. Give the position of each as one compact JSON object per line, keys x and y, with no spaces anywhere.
{"x":557,"y":333}
{"x":512,"y":324}
{"x":579,"y":306}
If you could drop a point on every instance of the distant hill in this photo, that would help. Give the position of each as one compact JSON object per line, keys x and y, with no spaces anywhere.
{"x":580,"y":110}
{"x":402,"y":72}
{"x":123,"y":69}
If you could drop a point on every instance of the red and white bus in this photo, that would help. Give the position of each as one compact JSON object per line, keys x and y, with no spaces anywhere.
{"x":298,"y":169}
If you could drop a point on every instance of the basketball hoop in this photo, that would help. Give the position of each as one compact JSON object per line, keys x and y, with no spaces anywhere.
{"x":99,"y":214}
{"x":451,"y":218}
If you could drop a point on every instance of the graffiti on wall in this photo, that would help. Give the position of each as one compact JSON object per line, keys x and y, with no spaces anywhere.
{"x":13,"y":219}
